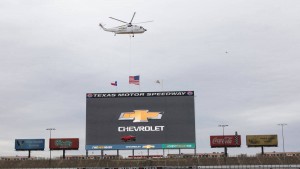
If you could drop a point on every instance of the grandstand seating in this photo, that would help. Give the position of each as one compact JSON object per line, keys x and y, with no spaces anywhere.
{"x":269,"y":160}
{"x":289,"y":160}
{"x":110,"y":163}
{"x":207,"y":161}
{"x":248,"y":161}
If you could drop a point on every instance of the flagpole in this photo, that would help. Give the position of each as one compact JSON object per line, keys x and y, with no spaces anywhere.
{"x":139,"y":83}
{"x":140,"y":86}
{"x":115,"y":84}
{"x":161,"y":83}
{"x":129,"y":87}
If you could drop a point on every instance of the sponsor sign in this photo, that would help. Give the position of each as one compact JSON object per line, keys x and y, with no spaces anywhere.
{"x":141,"y":146}
{"x":64,"y":144}
{"x":156,"y":120}
{"x":140,"y":94}
{"x":262,"y":140}
{"x":225,"y":141}
{"x":179,"y":146}
{"x":140,"y":116}
{"x":140,"y":128}
{"x":124,"y":146}
{"x":29,"y":144}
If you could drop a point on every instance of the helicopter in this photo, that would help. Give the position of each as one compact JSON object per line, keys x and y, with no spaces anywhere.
{"x":128,"y":28}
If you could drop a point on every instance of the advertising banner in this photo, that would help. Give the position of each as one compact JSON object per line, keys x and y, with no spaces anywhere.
{"x":140,"y":120}
{"x":29,"y":144}
{"x":230,"y":141}
{"x":64,"y":144}
{"x":262,"y":140}
{"x":141,"y":146}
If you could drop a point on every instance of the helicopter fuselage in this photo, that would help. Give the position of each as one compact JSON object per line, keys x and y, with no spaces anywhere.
{"x":133,"y":29}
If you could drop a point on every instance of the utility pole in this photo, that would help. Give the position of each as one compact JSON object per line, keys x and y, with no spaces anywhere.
{"x":225,"y":148}
{"x":282,"y":125}
{"x":50,"y":129}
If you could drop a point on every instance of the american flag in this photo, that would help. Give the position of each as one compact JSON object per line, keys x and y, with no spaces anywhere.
{"x":114,"y":83}
{"x":134,"y":80}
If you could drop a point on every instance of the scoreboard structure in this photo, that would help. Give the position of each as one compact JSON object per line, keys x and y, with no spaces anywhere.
{"x":140,"y":120}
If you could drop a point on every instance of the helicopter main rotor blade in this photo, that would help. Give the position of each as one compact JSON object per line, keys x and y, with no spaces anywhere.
{"x":118,"y":20}
{"x":142,"y":22}
{"x":132,"y":17}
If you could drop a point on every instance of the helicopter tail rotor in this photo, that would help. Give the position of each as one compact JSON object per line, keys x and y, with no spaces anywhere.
{"x":102,"y":26}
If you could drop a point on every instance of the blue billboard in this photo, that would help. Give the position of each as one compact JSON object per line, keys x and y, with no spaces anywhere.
{"x":29,"y":144}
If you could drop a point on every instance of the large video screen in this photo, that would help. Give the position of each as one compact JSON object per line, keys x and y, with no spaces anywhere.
{"x":141,"y":120}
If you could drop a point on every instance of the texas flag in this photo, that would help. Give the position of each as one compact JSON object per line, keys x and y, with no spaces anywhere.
{"x":114,"y":83}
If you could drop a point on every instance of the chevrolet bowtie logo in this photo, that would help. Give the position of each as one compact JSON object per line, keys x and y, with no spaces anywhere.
{"x":140,"y":115}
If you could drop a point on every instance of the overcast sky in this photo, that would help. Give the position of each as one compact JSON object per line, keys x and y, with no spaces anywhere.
{"x":240,"y":57}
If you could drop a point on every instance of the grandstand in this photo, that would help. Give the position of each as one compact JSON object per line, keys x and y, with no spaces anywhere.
{"x":156,"y":162}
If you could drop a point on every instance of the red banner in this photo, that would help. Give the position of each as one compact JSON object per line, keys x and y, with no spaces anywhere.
{"x":64,"y":144}
{"x":230,"y":141}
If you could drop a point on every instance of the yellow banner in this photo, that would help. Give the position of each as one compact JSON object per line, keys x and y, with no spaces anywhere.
{"x":262,"y":140}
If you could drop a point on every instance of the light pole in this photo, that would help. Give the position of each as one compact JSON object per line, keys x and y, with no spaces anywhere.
{"x":50,"y":129}
{"x":225,"y":148}
{"x":282,"y":125}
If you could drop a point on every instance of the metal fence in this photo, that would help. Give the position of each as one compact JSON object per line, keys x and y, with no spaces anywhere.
{"x":187,"y":167}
